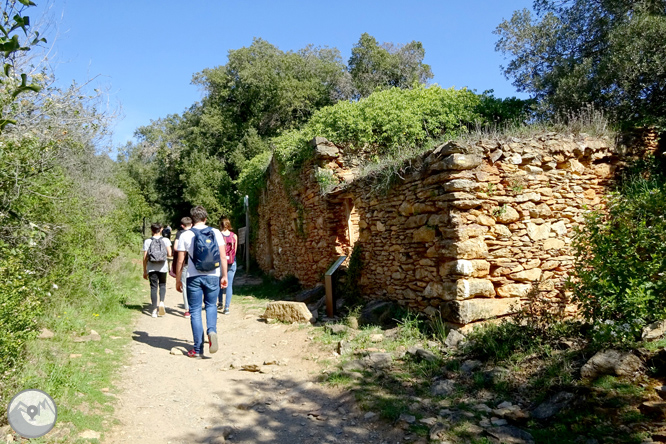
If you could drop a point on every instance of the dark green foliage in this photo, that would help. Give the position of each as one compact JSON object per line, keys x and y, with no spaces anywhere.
{"x":350,"y":290}
{"x":501,"y":112}
{"x":373,"y":66}
{"x":577,"y":52}
{"x":619,"y":277}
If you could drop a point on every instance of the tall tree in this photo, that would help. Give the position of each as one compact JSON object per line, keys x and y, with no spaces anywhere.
{"x":609,"y":53}
{"x":373,"y":66}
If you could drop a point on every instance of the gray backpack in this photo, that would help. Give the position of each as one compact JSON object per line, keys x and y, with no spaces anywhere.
{"x":157,"y":251}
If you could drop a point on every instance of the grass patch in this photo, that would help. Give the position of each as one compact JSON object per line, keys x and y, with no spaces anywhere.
{"x":79,"y":376}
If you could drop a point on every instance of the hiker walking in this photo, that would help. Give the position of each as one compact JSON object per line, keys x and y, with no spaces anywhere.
{"x":185,"y":224}
{"x":207,"y":271}
{"x":231,"y":241}
{"x":155,"y":252}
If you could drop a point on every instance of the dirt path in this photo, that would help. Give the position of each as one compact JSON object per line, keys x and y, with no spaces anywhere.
{"x":167,"y":398}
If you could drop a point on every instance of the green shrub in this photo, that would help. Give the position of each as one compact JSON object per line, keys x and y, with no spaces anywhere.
{"x":385,"y":121}
{"x":621,"y":258}
{"x":20,"y":293}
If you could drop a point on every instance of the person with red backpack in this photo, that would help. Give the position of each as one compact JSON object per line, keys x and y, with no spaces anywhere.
{"x":231,"y":243}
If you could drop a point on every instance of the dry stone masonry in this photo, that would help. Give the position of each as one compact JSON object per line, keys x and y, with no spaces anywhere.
{"x":470,"y":230}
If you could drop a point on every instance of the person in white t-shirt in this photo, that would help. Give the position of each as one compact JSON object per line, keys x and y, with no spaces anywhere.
{"x":200,"y":284}
{"x":156,"y":272}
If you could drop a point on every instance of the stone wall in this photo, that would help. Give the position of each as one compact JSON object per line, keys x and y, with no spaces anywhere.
{"x":470,"y":230}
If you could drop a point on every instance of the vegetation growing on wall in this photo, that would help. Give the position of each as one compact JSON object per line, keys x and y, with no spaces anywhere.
{"x":619,"y":280}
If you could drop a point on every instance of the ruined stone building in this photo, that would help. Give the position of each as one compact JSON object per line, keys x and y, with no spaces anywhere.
{"x":469,"y":229}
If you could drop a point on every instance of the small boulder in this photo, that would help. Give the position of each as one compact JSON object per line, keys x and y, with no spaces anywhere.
{"x":611,"y":362}
{"x":553,"y":405}
{"x":409,"y":419}
{"x":654,"y":331}
{"x":287,"y":311}
{"x":426,"y":355}
{"x":378,"y":360}
{"x":455,"y":339}
{"x":443,"y":387}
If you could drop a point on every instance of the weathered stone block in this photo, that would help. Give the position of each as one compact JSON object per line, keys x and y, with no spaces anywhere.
{"x":458,"y":162}
{"x":287,"y":311}
{"x":538,"y":232}
{"x":527,"y":275}
{"x":424,"y":234}
{"x":470,"y":310}
{"x":464,"y":267}
{"x":469,"y":288}
{"x":474,"y":248}
{"x":506,"y":214}
{"x":514,"y":290}
{"x":460,"y":185}
{"x":553,"y":244}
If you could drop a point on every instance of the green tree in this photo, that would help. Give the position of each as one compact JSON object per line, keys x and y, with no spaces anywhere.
{"x":605,"y":52}
{"x":373,"y":66}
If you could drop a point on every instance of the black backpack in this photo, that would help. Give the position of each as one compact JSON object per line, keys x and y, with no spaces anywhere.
{"x":206,"y":251}
{"x":157,"y":251}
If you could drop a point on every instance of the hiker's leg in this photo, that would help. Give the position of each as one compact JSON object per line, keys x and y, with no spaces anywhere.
{"x":211,"y":293}
{"x":229,"y":291}
{"x":162,"y":281}
{"x":194,"y":295}
{"x":183,"y":279}
{"x":154,"y":283}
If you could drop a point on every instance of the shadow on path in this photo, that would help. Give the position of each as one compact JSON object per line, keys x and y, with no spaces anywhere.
{"x":162,"y":342}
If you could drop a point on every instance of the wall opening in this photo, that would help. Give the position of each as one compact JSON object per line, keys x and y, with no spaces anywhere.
{"x":351,"y":220}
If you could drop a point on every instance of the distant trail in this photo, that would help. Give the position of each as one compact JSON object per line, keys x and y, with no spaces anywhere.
{"x":174,"y":399}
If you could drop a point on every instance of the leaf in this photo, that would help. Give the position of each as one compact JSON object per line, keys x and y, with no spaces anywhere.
{"x":27,"y":2}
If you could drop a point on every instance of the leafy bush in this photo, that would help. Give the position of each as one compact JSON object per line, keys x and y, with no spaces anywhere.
{"x":621,"y":258}
{"x":20,"y":294}
{"x":384,"y":121}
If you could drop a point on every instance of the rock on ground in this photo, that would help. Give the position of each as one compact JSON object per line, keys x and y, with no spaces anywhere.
{"x":611,"y":362}
{"x":287,"y":311}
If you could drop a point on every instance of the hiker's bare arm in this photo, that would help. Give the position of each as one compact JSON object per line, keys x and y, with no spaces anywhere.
{"x":145,"y":264}
{"x":180,"y":258}
{"x":223,"y":268}
{"x":169,"y":252}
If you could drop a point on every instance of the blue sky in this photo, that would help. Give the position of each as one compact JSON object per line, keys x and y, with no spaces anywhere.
{"x":146,"y":51}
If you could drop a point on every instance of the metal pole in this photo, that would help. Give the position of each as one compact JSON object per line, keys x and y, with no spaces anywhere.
{"x":247,"y":235}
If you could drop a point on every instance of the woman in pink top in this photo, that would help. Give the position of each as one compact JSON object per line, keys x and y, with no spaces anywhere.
{"x":231,"y":244}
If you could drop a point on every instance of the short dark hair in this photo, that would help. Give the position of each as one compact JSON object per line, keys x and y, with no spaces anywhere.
{"x":199,"y":214}
{"x":156,"y":227}
{"x":186,"y":221}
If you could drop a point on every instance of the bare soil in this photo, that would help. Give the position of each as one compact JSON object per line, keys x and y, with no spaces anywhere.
{"x":171,"y":398}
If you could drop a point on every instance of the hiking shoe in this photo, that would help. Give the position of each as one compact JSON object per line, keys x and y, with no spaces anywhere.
{"x":154,"y":313}
{"x":193,"y":354}
{"x":187,"y":314}
{"x":161,"y":311}
{"x":212,"y":341}
{"x":226,"y":311}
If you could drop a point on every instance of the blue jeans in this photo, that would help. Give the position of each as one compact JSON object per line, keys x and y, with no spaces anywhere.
{"x":208,"y":288}
{"x":231,"y":271}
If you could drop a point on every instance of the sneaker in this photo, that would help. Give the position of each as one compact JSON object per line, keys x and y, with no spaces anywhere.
{"x":161,"y":311}
{"x":226,"y":311}
{"x":193,"y":354}
{"x":212,"y":341}
{"x":187,"y":314}
{"x":154,"y":313}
